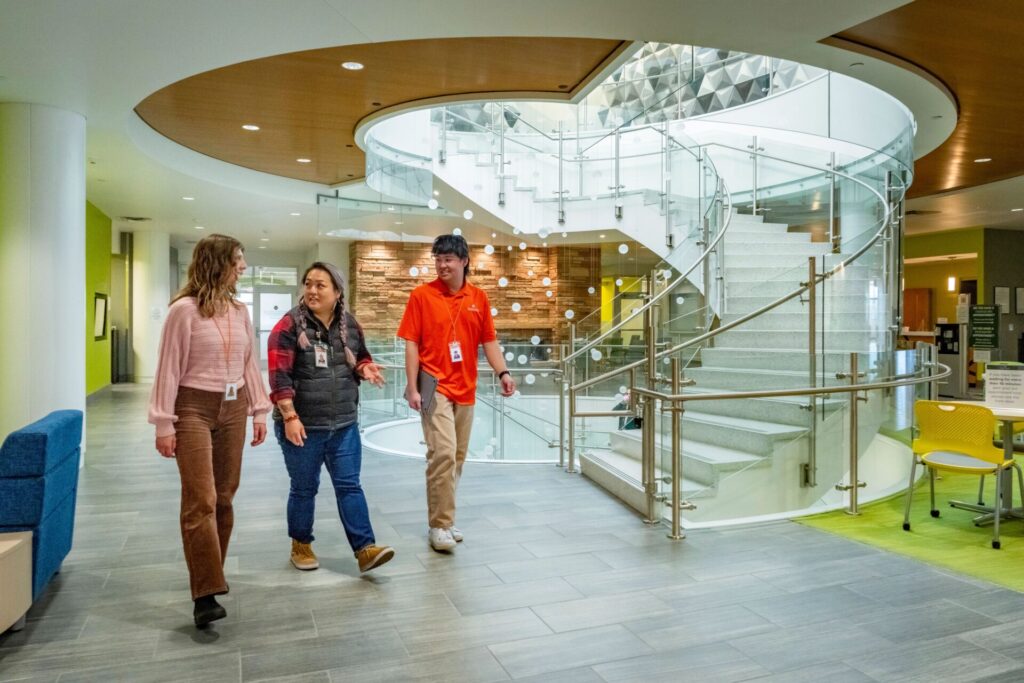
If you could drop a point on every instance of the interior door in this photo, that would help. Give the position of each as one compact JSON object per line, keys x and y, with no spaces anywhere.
{"x":271,"y":303}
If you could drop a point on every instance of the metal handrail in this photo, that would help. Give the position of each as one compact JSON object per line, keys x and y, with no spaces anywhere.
{"x":820,"y":278}
{"x":656,"y":298}
{"x":914,"y":379}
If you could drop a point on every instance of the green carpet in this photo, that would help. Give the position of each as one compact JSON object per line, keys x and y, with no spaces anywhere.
{"x":951,"y":541}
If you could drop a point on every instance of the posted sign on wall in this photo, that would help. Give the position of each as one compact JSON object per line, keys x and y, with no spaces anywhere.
{"x":985,"y":327}
{"x":1004,"y":387}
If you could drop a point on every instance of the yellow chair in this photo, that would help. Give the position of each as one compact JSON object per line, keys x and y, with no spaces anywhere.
{"x":955,"y":437}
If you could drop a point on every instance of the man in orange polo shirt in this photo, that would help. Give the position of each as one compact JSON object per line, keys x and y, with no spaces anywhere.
{"x":444,"y":323}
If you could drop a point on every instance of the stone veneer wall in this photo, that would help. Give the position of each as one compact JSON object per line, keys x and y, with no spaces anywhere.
{"x":381,"y":283}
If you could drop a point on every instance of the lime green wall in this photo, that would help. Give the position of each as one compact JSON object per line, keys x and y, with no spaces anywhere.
{"x":97,"y":280}
{"x":964,"y":241}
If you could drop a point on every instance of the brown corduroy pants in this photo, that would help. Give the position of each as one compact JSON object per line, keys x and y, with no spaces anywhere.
{"x":210,"y":437}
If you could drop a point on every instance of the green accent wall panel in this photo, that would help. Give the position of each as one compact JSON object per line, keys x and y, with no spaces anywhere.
{"x":97,"y":281}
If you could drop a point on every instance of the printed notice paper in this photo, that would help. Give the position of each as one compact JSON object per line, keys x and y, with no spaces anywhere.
{"x":1004,"y":387}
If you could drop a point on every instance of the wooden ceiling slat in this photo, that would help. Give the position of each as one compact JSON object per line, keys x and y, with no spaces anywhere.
{"x":308,"y":106}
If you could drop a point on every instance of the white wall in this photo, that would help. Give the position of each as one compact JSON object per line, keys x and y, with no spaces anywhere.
{"x":151,"y":291}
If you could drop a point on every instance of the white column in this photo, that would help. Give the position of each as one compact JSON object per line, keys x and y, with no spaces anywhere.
{"x":151,"y":287}
{"x":42,"y":262}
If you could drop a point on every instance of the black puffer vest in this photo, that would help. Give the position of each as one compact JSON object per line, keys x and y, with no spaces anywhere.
{"x":326,"y":398}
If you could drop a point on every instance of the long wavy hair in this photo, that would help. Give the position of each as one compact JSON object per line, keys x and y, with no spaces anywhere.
{"x":210,"y":274}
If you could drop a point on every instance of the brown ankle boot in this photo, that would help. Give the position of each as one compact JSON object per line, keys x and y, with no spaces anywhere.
{"x":373,"y":556}
{"x":303,"y":556}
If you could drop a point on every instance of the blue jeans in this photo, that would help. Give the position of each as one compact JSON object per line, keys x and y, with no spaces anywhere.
{"x":342,"y":451}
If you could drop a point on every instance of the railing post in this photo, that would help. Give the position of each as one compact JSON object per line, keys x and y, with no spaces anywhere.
{"x":753,"y":186}
{"x":501,"y":156}
{"x":810,"y":468}
{"x":442,"y":156}
{"x":834,"y":238}
{"x":561,"y":162}
{"x":854,"y":484}
{"x":677,"y":460}
{"x":616,"y":190}
{"x":647,"y":468}
{"x":561,"y":417}
{"x":720,"y":251}
{"x":572,"y":401}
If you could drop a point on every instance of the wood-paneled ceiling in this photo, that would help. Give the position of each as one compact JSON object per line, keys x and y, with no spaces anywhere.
{"x":974,"y":48}
{"x":307,"y":105}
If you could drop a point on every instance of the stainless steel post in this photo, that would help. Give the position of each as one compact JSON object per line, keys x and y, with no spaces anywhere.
{"x":572,"y":402}
{"x":442,"y":156}
{"x":501,"y":156}
{"x":832,"y":234}
{"x":810,"y":469}
{"x":854,"y":484}
{"x":677,"y":459}
{"x":561,"y":186}
{"x":618,"y":182}
{"x":647,"y":459}
{"x":753,"y":187}
{"x":561,"y":418}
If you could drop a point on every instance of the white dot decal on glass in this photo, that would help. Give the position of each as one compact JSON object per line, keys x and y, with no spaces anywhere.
{"x":503,"y":282}
{"x":617,"y":397}
{"x":665,"y":361}
{"x":680,"y":300}
{"x":494,"y":312}
{"x":510,"y":247}
{"x":623,"y":248}
{"x":522,"y":246}
{"x":431,"y":204}
{"x":543,"y":233}
{"x":535,"y":340}
{"x":565,"y":234}
{"x":457,"y":231}
{"x":546,"y":282}
{"x":509,"y":356}
{"x":516,"y":307}
{"x":549,"y":294}
{"x":489,"y":249}
{"x":568,"y":316}
{"x":622,"y":388}
{"x":529,"y":379}
{"x":595,"y":354}
{"x":590,"y":290}
{"x":529,"y":273}
{"x":488,"y":450}
{"x":667,"y":274}
{"x":618,"y":282}
{"x":414,"y":271}
{"x":467,"y":214}
{"x":516,"y":396}
{"x":522,"y":359}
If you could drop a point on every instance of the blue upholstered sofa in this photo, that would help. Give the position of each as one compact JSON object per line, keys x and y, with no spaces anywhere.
{"x":38,"y":487}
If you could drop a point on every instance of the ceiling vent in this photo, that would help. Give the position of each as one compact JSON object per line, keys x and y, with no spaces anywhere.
{"x":135,"y":219}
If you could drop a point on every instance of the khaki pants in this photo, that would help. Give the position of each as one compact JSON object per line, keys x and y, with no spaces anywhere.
{"x":210,"y":435}
{"x":446,"y":431}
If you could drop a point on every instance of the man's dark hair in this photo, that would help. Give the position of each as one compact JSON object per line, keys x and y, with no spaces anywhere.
{"x":452,"y":244}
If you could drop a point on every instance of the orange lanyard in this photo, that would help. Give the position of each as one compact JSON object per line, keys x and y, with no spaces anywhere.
{"x":226,"y":343}
{"x":454,"y":319}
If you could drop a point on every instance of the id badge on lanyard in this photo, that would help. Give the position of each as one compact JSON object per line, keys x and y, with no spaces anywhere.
{"x":231,"y":391}
{"x":320,"y":354}
{"x":455,"y":351}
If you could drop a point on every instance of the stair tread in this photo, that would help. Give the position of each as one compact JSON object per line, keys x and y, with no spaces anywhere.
{"x":799,"y":400}
{"x":700,"y":450}
{"x":630,"y":467}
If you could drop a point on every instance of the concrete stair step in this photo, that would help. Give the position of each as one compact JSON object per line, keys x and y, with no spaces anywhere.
{"x":778,"y":284}
{"x":777,"y":359}
{"x":782,"y":256}
{"x":768,"y":273}
{"x":834,"y":317}
{"x":855,"y":304}
{"x":730,"y":432}
{"x":790,"y":410}
{"x":748,"y":379}
{"x":621,"y":475}
{"x":703,"y":463}
{"x":738,"y":235}
{"x":836,"y":340}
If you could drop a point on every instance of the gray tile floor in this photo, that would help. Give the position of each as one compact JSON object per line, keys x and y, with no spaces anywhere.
{"x":555,"y":582}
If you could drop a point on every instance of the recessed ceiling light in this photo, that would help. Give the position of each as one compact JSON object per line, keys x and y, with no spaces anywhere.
{"x":982,"y":160}
{"x":189,"y":199}
{"x":351,"y":66}
{"x":391,"y":208}
{"x":303,"y":160}
{"x":263,"y":246}
{"x":264,"y":239}
{"x":199,"y":227}
{"x":296,"y":213}
{"x":250,"y":126}
{"x":436,"y":193}
{"x":1016,"y":209}
{"x":602,"y":236}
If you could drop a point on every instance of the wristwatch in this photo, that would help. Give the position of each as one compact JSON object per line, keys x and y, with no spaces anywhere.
{"x":503,"y":373}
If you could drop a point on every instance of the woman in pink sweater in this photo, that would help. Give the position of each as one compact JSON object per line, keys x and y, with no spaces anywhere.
{"x":207,"y":383}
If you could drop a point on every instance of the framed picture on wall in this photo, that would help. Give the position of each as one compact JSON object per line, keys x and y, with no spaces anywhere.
{"x":99,"y":305}
{"x":1020,"y":301}
{"x":1002,"y":298}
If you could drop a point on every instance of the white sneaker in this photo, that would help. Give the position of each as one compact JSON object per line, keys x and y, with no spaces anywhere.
{"x":456,"y":533}
{"x":441,"y":539}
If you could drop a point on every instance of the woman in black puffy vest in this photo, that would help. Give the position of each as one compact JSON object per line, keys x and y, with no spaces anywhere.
{"x":317,"y":356}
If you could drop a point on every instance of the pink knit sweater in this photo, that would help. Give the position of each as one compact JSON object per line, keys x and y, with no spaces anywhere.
{"x":192,"y":354}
